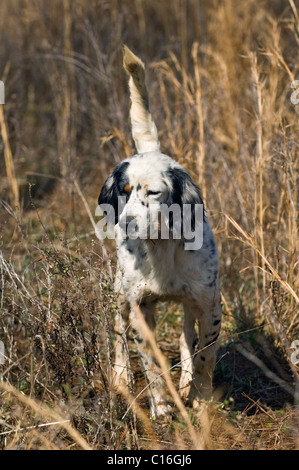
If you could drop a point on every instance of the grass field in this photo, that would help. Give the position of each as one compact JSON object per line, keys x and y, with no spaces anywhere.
{"x":222,"y":84}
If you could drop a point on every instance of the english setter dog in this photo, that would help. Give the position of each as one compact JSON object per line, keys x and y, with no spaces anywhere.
{"x":157,"y":268}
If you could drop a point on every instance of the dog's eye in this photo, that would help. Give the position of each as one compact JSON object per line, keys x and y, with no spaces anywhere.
{"x":153,"y":193}
{"x":127,"y":188}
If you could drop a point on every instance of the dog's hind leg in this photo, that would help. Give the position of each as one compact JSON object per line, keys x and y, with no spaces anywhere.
{"x":209,"y":320}
{"x":187,"y":344}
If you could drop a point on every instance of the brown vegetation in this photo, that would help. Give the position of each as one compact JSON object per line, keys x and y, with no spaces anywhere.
{"x":219,"y":79}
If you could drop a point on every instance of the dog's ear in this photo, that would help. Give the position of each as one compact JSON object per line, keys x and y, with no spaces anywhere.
{"x":183,"y":191}
{"x":112,"y":193}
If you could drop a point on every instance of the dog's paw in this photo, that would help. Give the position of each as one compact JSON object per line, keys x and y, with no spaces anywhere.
{"x":198,"y":396}
{"x":184,"y":390}
{"x":119,"y":378}
{"x":160,"y":410}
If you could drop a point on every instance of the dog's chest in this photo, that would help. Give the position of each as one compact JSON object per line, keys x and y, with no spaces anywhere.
{"x":160,"y":270}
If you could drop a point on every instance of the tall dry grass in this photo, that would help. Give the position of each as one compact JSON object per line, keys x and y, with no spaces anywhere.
{"x":219,"y":79}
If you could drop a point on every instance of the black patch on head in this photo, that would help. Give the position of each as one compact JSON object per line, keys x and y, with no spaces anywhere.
{"x":138,"y":187}
{"x":184,"y":191}
{"x":113,"y":188}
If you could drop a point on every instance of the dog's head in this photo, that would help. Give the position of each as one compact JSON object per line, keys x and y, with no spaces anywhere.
{"x":146,"y":191}
{"x":148,"y":195}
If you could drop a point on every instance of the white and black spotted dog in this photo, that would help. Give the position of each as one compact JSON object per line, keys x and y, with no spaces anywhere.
{"x":152,"y":269}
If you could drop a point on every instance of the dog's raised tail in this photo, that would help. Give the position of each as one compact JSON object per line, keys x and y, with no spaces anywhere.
{"x":144,"y":130}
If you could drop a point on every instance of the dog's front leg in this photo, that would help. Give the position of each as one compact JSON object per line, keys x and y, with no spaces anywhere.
{"x":121,"y":367}
{"x":156,"y":386}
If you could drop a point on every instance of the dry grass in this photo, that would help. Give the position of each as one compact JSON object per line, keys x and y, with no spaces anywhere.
{"x":219,"y":78}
